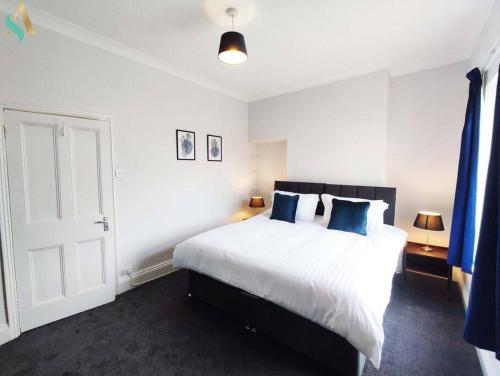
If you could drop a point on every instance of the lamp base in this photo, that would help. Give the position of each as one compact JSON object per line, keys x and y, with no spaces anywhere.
{"x":426,"y":248}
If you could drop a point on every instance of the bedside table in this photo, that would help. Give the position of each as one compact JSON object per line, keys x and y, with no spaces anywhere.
{"x":415,"y":259}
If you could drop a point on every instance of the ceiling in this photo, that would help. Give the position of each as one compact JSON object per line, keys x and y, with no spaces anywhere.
{"x":292,"y":44}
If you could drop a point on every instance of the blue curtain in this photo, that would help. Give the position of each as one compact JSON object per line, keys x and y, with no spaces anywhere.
{"x":461,"y":249}
{"x":482,"y":323}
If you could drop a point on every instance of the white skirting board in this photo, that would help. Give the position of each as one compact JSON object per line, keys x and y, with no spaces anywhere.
{"x":144,"y":275}
{"x":489,"y":364}
{"x":5,"y":335}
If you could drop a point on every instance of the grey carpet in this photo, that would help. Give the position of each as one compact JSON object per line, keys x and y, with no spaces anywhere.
{"x":157,"y":330}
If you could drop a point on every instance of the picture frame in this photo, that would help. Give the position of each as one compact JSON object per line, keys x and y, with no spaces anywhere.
{"x":214,"y":148}
{"x":185,"y":145}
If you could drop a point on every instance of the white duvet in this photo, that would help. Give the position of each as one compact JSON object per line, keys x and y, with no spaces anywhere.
{"x":339,"y":280}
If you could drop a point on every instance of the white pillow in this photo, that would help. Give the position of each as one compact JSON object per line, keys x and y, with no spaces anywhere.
{"x":306,"y":207}
{"x":374,"y":217}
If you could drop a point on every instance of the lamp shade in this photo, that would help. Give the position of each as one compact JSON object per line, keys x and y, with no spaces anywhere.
{"x":232,"y":48}
{"x":429,"y":221}
{"x":257,"y":202}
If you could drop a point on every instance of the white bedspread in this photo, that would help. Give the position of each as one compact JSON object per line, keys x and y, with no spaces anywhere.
{"x":339,"y":280}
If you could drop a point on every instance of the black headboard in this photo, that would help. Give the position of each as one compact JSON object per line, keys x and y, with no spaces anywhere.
{"x":370,"y":193}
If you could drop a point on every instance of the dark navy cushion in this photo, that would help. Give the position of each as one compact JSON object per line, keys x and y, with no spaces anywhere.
{"x":349,"y":216}
{"x":284,"y":207}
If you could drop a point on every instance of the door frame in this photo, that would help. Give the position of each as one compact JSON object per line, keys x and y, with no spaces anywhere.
{"x":13,"y":329}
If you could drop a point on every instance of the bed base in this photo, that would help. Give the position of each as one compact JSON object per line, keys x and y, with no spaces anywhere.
{"x":258,"y":314}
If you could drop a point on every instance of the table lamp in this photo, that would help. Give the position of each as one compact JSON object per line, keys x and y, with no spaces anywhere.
{"x":431,"y":222}
{"x":257,"y":202}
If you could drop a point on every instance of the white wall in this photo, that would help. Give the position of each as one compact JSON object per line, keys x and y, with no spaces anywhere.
{"x":335,"y":133}
{"x":426,"y":116}
{"x":490,"y":35}
{"x":271,"y":166}
{"x":402,"y":132}
{"x":161,"y":201}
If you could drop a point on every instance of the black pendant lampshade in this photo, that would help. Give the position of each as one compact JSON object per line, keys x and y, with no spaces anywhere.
{"x":232,"y":49}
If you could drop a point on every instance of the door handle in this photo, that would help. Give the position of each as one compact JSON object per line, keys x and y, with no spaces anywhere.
{"x":105,"y":222}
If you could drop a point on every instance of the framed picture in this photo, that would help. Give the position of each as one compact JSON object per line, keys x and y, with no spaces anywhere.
{"x":214,"y":148}
{"x":186,"y":145}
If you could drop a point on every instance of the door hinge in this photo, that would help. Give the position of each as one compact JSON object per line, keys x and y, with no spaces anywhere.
{"x":4,"y":130}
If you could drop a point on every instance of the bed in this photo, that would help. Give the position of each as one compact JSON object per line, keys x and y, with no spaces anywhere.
{"x":322,"y":292}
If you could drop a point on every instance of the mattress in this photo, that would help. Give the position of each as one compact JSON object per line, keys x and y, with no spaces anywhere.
{"x":336,"y":279}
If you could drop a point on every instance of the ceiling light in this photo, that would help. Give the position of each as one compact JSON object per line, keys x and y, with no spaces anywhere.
{"x":232,"y":49}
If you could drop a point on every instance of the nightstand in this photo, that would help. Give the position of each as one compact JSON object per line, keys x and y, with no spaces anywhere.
{"x":415,"y":259}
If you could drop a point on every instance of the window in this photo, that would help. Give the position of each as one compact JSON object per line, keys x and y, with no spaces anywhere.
{"x":486,"y":128}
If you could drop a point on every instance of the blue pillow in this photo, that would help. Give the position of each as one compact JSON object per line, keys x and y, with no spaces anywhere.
{"x":349,"y":216}
{"x":284,"y":207}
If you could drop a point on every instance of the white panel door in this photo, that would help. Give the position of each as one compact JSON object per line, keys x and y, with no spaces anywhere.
{"x":60,"y":183}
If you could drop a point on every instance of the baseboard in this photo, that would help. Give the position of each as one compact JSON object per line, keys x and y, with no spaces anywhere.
{"x":463,"y":290}
{"x":5,"y":334}
{"x":489,"y":364}
{"x":126,"y":282}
